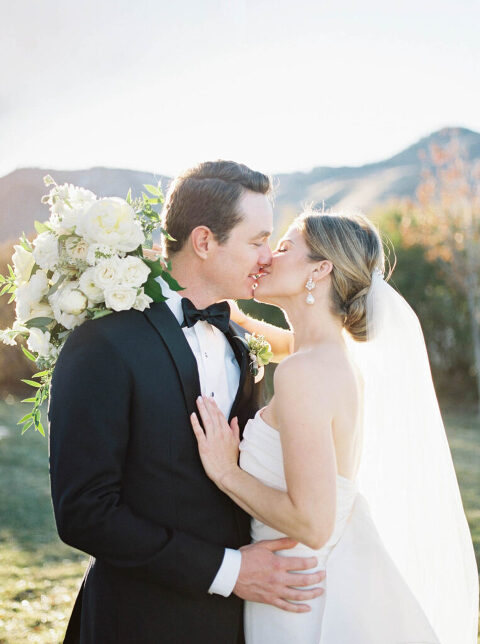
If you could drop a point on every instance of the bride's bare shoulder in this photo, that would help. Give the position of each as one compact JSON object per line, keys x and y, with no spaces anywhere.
{"x":325,"y":366}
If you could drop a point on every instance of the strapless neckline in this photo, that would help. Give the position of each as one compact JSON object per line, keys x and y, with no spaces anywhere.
{"x":275,"y":432}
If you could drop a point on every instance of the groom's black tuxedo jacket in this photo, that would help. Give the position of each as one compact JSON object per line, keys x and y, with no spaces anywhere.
{"x":128,"y":486}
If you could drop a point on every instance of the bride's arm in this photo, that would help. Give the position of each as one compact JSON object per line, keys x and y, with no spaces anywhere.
{"x":280,"y":340}
{"x":303,"y":408}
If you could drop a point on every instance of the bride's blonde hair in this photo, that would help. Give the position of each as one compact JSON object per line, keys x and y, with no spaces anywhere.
{"x":353,"y":245}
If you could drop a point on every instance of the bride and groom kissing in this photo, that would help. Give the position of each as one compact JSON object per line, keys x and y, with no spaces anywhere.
{"x":331,"y":515}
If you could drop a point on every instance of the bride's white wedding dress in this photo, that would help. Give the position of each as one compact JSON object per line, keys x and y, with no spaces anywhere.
{"x":366,"y":600}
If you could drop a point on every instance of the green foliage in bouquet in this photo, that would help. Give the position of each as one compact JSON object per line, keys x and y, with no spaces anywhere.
{"x":85,"y":262}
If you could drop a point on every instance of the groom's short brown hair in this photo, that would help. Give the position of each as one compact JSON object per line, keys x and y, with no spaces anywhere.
{"x":207,"y":195}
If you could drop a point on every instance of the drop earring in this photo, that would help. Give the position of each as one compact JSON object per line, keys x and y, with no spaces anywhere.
{"x":310,"y":285}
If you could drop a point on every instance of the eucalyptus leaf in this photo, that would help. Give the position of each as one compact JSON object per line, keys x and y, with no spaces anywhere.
{"x":38,"y":323}
{"x":129,"y":196}
{"x":29,"y":355}
{"x":40,"y":227}
{"x":154,"y":190}
{"x":56,"y":285}
{"x":28,"y":424}
{"x":32,"y":383}
{"x":101,"y":313}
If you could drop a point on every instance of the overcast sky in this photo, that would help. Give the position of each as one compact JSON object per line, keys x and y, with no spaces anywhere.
{"x":281,"y":85}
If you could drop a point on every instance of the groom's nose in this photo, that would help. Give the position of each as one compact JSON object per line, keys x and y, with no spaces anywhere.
{"x":265,"y":256}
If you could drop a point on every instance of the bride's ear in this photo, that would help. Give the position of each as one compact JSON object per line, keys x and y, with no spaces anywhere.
{"x":322,"y":269}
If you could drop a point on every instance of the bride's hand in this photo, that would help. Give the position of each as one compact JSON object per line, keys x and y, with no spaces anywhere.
{"x":218,"y":444}
{"x":154,"y":253}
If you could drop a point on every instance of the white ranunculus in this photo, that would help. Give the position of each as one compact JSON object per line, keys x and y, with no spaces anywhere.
{"x":67,"y":320}
{"x":120,"y":298}
{"x":111,"y":221}
{"x":39,"y":342}
{"x":40,"y":310}
{"x":89,"y":287}
{"x":107,"y":273}
{"x":76,"y":247}
{"x":98,"y":252}
{"x":65,"y":303}
{"x":142,"y":301}
{"x":134,"y":272}
{"x":45,"y":252}
{"x":23,"y":262}
{"x":72,"y":301}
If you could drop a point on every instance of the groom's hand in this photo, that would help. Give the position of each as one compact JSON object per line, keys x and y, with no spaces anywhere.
{"x":271,"y":579}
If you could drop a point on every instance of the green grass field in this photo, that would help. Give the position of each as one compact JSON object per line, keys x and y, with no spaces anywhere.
{"x":40,"y":576}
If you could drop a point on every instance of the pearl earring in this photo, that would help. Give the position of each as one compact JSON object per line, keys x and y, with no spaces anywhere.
{"x":310,"y":285}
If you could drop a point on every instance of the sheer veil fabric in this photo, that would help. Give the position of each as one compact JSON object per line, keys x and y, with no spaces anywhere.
{"x":406,"y":473}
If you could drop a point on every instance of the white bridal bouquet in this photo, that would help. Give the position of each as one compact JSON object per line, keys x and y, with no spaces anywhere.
{"x":86,"y":262}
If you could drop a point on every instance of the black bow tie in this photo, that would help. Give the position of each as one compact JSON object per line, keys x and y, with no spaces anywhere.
{"x":216,"y":314}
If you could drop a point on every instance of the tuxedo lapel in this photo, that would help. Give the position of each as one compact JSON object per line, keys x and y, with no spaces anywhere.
{"x":245,"y":384}
{"x":171,"y":332}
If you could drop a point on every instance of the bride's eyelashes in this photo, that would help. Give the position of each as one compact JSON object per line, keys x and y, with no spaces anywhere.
{"x":281,"y":249}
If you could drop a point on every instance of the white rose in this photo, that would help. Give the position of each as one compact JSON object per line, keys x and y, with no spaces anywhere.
{"x":88,"y":286}
{"x":106,"y":273}
{"x":142,"y":301}
{"x":134,"y":272}
{"x":72,"y":301}
{"x":120,"y":298}
{"x":23,"y":262}
{"x":39,"y":342}
{"x":111,"y":221}
{"x":76,"y":247}
{"x":46,"y":250}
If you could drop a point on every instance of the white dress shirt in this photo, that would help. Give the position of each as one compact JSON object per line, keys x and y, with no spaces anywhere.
{"x":219,"y":374}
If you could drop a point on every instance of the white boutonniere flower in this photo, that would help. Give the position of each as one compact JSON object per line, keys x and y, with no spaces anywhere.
{"x":260,"y":353}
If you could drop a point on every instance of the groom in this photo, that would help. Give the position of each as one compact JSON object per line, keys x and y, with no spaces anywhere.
{"x":169,"y":561}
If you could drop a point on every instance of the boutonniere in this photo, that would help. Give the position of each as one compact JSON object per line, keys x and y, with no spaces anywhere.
{"x":260,"y":353}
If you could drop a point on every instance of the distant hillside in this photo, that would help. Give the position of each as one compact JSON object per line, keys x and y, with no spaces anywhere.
{"x":369,"y":185}
{"x":361,"y":187}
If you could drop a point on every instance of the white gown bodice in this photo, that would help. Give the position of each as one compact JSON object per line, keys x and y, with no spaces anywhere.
{"x":261,"y":456}
{"x":366,"y":600}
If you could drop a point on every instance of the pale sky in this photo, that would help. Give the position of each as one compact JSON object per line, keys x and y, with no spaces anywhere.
{"x":281,"y":85}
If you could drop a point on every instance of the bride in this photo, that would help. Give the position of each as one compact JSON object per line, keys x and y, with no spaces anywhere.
{"x":350,"y":456}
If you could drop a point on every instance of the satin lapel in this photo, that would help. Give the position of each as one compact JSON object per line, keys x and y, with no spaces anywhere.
{"x":167,"y":326}
{"x":246,"y":381}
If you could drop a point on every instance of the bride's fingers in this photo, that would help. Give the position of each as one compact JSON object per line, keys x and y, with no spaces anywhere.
{"x":235,"y":429}
{"x":216,"y":415}
{"x":197,"y":428}
{"x":205,"y":415}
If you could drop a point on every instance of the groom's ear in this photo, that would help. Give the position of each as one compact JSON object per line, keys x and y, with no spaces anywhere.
{"x":202,"y":239}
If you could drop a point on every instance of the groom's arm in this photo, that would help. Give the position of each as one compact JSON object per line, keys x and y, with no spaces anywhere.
{"x":89,"y":433}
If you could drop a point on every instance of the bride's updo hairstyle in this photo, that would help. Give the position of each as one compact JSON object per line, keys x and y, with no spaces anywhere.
{"x":353,"y":245}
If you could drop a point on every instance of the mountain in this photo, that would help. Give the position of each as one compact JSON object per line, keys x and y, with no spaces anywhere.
{"x":363,"y":187}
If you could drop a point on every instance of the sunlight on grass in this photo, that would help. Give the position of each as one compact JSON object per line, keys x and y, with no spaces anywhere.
{"x":40,"y":576}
